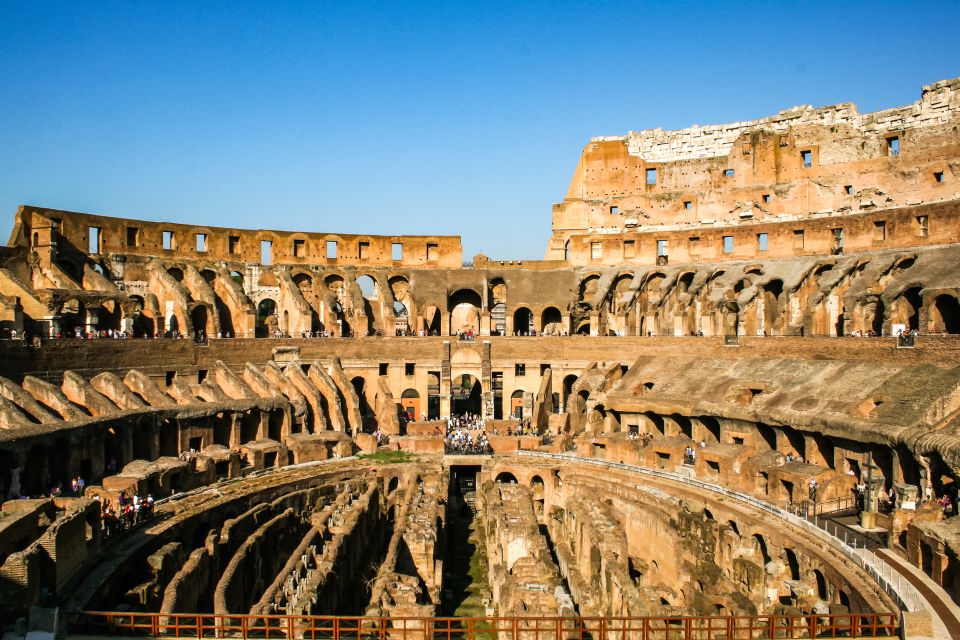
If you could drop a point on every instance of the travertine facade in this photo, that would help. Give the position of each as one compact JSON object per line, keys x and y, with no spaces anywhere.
{"x":746,"y":331}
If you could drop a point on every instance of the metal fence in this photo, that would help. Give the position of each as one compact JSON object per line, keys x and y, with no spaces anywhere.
{"x":871,"y":625}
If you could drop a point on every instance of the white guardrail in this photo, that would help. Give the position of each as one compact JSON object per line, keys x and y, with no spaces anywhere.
{"x":890,"y":580}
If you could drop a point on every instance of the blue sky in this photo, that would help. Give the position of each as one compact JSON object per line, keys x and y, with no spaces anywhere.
{"x":393,"y":118}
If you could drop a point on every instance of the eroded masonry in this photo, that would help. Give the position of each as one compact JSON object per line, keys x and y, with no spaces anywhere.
{"x":738,"y":333}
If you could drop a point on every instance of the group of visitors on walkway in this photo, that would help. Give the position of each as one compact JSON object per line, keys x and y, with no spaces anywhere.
{"x":128,"y":513}
{"x":464,"y":434}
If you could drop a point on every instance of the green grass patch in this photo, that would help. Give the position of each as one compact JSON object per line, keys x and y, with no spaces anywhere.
{"x":389,"y":457}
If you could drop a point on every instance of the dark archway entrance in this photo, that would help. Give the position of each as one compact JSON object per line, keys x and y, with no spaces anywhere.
{"x":266,"y":317}
{"x":465,"y":396}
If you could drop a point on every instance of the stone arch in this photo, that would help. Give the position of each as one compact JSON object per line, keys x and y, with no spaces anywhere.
{"x":367,"y":414}
{"x":464,"y":306}
{"x":466,"y":395}
{"x":369,"y":287}
{"x":516,"y":404}
{"x":201,"y":320}
{"x":267,"y":321}
{"x":432,"y":320}
{"x":551,"y":321}
{"x":505,"y":477}
{"x":410,"y":401}
{"x":522,"y":320}
{"x":945,"y":314}
{"x":906,"y":308}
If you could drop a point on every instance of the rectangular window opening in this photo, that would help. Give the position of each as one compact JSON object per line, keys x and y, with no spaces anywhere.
{"x":233,"y":244}
{"x":543,"y":369}
{"x":133,"y":236}
{"x":798,"y":239}
{"x":694,"y":245}
{"x":879,"y":230}
{"x":383,"y":368}
{"x":728,"y":244}
{"x":520,"y":369}
{"x":688,"y":204}
{"x":433,"y":251}
{"x":331,"y":249}
{"x":299,"y":248}
{"x":408,"y":368}
{"x":938,"y":176}
{"x":94,"y":239}
{"x":201,"y":375}
{"x":848,"y":189}
{"x":201,"y":242}
{"x":596,"y":250}
{"x":728,"y":173}
{"x":762,"y":241}
{"x":168,"y":241}
{"x":837,"y":240}
{"x":363,"y":250}
{"x":396,"y":251}
{"x":651,"y":176}
{"x":893,"y":146}
{"x":766,"y":198}
{"x":266,"y":252}
{"x":923,"y":226}
{"x":614,"y":210}
{"x":807,"y":157}
{"x":662,"y":248}
{"x":629,"y":248}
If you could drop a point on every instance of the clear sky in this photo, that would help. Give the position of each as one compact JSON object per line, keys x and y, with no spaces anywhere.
{"x":416,"y":118}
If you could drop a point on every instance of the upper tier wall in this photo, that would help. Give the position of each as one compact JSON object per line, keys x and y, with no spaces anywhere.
{"x":38,"y":226}
{"x":937,"y":105}
{"x":800,"y":163}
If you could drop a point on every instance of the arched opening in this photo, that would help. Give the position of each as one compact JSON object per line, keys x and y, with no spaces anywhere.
{"x":505,"y":477}
{"x":410,"y":402}
{"x":516,"y":404}
{"x":537,"y":487}
{"x":760,"y":548}
{"x":431,"y":320}
{"x":498,"y":306}
{"x":551,"y":322}
{"x":143,"y":325}
{"x":568,"y":382}
{"x":176,"y":273}
{"x":822,"y":592}
{"x":876,"y":323}
{"x":370,"y":291}
{"x":267,"y":322}
{"x":946,"y":315}
{"x":401,"y":318}
{"x":433,"y":396}
{"x":583,"y":329}
{"x":367,"y":415}
{"x":199,"y":319}
{"x":793,"y":563}
{"x":907,"y":308}
{"x":466,"y":396}
{"x":712,"y":426}
{"x":368,"y":287}
{"x":522,"y":321}
{"x":464,"y":309}
{"x":222,"y":309}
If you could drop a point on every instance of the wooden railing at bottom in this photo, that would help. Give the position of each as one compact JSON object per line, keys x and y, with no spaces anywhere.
{"x":197,"y":625}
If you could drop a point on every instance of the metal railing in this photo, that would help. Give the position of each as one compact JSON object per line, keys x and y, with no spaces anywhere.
{"x":196,"y":625}
{"x":890,"y":580}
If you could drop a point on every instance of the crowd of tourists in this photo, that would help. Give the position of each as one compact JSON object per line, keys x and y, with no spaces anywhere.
{"x":464,"y":434}
{"x":129,"y":512}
